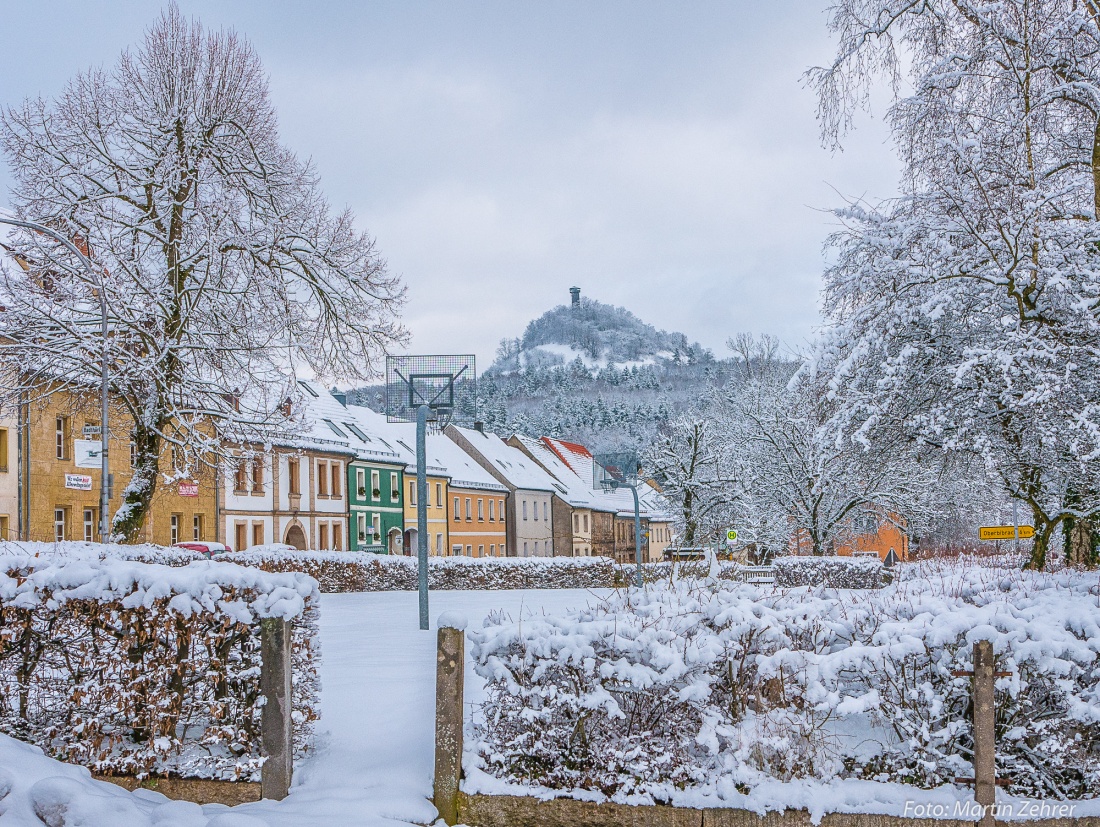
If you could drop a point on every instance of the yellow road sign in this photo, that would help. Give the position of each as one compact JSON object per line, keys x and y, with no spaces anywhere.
{"x":1004,"y":532}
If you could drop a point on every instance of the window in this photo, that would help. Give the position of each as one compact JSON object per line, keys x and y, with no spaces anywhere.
{"x":258,"y":476}
{"x":4,"y":527}
{"x":500,"y":509}
{"x":293,"y":471}
{"x":412,"y":493}
{"x":337,"y":536}
{"x":173,"y":526}
{"x":309,"y":390}
{"x":257,"y":534}
{"x":240,"y":531}
{"x":576,"y":523}
{"x":481,"y":551}
{"x":60,"y":524}
{"x":3,"y":450}
{"x":469,"y":511}
{"x":525,"y":554}
{"x":322,"y":536}
{"x":199,"y":527}
{"x":545,"y":511}
{"x":492,"y":550}
{"x":334,"y":429}
{"x":355,"y":430}
{"x":133,"y":453}
{"x":469,"y":551}
{"x":525,"y":509}
{"x":395,"y":489}
{"x":585,"y":523}
{"x":458,"y":515}
{"x":361,"y":526}
{"x":439,"y":545}
{"x":90,"y":527}
{"x":376,"y":523}
{"x":375,"y":486}
{"x":337,"y":472}
{"x":439,"y":495}
{"x":322,"y":479}
{"x":480,"y":510}
{"x":361,"y":482}
{"x":491,"y":517}
{"x":240,"y":486}
{"x":456,"y":551}
{"x":61,"y":436}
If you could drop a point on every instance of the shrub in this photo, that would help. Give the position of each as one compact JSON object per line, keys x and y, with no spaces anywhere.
{"x":831,"y":572}
{"x":136,"y":668}
{"x":721,"y":687}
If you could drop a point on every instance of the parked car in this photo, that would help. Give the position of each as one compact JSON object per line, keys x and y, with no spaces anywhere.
{"x":206,"y":549}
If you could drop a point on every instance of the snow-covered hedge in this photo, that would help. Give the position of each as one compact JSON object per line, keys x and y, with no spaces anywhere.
{"x":832,"y":572}
{"x":80,"y":550}
{"x":712,"y":690}
{"x":130,"y":667}
{"x":348,"y":571}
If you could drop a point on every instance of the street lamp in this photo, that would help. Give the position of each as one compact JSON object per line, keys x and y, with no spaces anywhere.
{"x":105,"y":473}
{"x":620,"y":470}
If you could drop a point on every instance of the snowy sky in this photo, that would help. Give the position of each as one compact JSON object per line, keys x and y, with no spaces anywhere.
{"x":659,"y":155}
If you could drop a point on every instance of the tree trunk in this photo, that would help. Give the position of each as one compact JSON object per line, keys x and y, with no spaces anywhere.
{"x":689,"y":519}
{"x":138,"y":496}
{"x":1044,"y":530}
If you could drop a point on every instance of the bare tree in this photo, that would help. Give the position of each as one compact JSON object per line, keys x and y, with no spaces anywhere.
{"x":223,"y":265}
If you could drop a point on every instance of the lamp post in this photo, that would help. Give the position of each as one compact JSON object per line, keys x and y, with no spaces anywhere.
{"x":610,"y":485}
{"x":104,"y":472}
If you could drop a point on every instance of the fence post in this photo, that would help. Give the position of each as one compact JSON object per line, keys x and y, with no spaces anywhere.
{"x":450,"y":666}
{"x":985,"y":767}
{"x":276,"y":724}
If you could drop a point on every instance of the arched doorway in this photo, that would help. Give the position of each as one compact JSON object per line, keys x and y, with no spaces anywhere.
{"x":395,"y":545}
{"x":296,"y":536}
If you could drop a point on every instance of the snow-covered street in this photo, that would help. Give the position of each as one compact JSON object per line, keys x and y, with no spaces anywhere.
{"x":375,"y":747}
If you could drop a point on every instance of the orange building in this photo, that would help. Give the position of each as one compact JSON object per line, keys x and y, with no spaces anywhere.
{"x":872,"y":529}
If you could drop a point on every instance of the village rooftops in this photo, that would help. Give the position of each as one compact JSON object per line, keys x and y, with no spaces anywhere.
{"x":512,"y":464}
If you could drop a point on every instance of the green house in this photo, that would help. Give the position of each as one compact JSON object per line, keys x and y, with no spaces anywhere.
{"x":376,"y":511}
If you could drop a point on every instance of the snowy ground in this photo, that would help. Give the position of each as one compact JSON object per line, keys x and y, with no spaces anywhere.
{"x":373,"y":765}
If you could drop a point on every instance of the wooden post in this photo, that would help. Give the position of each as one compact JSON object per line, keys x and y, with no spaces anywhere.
{"x":276,"y":724}
{"x":450,"y":665}
{"x":985,"y":768}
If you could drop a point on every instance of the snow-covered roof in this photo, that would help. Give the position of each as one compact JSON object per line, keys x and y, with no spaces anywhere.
{"x":569,"y":486}
{"x":445,"y":458}
{"x":579,"y":458}
{"x":511,"y":463}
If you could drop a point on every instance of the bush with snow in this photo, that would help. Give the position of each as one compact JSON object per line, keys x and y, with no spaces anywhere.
{"x":130,"y":667}
{"x":683,"y":685}
{"x":832,"y":572}
{"x":350,"y":571}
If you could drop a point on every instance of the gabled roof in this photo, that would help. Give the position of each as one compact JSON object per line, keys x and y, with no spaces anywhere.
{"x":511,"y":463}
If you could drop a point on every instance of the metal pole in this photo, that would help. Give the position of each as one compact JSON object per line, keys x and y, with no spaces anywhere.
{"x":637,"y":535}
{"x":104,"y":469}
{"x":1016,"y":525}
{"x":422,"y":510}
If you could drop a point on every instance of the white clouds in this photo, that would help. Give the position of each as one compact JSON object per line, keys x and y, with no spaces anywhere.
{"x":664,"y":158}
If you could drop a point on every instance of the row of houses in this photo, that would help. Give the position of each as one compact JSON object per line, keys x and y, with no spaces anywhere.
{"x":345,"y":481}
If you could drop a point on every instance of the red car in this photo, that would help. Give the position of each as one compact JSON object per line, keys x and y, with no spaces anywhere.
{"x":206,"y":549}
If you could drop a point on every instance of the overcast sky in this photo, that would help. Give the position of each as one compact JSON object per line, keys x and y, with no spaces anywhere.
{"x":662,"y":156}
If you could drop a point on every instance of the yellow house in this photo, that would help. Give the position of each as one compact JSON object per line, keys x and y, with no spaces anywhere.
{"x":59,"y":474}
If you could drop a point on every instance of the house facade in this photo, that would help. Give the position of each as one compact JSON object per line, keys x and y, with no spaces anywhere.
{"x":53,"y":465}
{"x":530,"y":501}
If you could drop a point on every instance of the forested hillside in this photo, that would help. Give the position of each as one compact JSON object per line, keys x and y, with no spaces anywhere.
{"x":593,"y":373}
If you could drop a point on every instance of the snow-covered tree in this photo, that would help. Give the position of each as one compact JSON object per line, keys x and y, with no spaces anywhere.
{"x":223,"y":266}
{"x":969,"y":308}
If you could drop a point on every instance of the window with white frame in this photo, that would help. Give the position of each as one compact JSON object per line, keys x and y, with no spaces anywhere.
{"x":395,"y":490}
{"x":173,"y":526}
{"x":491,"y":517}
{"x":376,"y":524}
{"x":375,"y":486}
{"x":361,"y":482}
{"x":89,"y":525}
{"x":361,"y":526}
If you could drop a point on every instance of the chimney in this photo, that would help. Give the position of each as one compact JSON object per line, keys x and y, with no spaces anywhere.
{"x":340,"y":397}
{"x":575,"y":292}
{"x":479,"y":427}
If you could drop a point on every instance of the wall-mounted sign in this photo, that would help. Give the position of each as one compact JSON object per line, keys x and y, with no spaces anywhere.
{"x":87,"y":453}
{"x":189,"y":489}
{"x":81,"y":482}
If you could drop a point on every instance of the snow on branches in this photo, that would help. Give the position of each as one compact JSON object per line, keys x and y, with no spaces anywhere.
{"x":135,"y":668}
{"x":222,"y":265}
{"x":683,"y":689}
